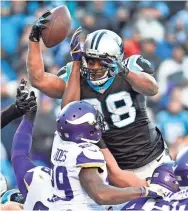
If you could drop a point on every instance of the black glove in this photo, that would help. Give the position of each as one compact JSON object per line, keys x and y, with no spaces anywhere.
{"x":37,"y":28}
{"x":115,"y":67}
{"x":22,"y":93}
{"x":31,"y":114}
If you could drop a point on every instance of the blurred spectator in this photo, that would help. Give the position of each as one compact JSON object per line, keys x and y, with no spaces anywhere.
{"x":132,"y":46}
{"x":148,"y":26}
{"x":178,"y":63}
{"x":148,"y":52}
{"x":159,"y":10}
{"x":174,"y":121}
{"x":165,"y":46}
{"x":179,"y":24}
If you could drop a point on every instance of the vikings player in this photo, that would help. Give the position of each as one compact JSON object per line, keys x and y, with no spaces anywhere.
{"x":179,"y":200}
{"x":116,"y":87}
{"x":163,"y":176}
{"x":77,"y":178}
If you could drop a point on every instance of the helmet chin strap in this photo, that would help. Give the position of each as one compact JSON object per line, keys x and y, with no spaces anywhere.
{"x":101,"y":80}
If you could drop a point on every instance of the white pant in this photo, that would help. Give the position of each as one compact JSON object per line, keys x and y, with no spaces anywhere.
{"x":147,"y":170}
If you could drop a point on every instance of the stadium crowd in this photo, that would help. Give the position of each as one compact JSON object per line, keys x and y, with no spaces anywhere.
{"x":156,"y":30}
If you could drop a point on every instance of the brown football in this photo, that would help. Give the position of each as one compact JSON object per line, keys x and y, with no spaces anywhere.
{"x":58,"y":27}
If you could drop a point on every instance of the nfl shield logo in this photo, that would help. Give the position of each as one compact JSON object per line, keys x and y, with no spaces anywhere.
{"x":167,"y":178}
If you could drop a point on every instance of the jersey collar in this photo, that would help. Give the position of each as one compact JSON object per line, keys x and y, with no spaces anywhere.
{"x":104,"y":87}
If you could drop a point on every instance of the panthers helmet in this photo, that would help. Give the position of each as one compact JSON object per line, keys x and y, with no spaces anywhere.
{"x":80,"y":122}
{"x":164,"y":175}
{"x":181,"y":167}
{"x":101,"y":44}
{"x":12,"y":195}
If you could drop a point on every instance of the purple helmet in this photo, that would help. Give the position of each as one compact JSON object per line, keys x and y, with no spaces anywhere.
{"x":181,"y":167}
{"x":164,"y":175}
{"x":80,"y":122}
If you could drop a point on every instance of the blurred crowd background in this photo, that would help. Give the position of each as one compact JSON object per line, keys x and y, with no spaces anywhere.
{"x":157,"y":30}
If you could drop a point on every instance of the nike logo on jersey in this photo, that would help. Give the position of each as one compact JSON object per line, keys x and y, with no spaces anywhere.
{"x":158,"y":159}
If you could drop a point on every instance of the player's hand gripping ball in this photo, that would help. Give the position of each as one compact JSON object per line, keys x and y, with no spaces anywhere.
{"x":53,"y":26}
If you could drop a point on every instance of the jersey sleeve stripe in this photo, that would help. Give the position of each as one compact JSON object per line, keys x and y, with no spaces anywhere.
{"x":90,"y":165}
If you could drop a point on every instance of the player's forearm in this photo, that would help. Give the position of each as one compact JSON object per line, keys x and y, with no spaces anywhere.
{"x":123,"y":178}
{"x":48,"y":83}
{"x":9,"y":114}
{"x":35,"y":66}
{"x":21,"y":147}
{"x":72,"y":90}
{"x":108,"y":195}
{"x":118,"y":177}
{"x":11,"y":206}
{"x":142,"y":83}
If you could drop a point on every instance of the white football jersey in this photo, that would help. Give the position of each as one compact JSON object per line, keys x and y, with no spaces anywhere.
{"x":61,"y":190}
{"x":179,"y":200}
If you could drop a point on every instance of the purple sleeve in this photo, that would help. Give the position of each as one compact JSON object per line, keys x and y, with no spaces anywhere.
{"x":21,"y":146}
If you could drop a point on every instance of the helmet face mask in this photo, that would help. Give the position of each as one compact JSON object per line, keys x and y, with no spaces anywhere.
{"x":97,"y":76}
{"x":102,"y":45}
{"x":80,"y":122}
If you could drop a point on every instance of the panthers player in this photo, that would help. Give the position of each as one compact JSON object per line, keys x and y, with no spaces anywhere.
{"x":77,"y":178}
{"x":115,"y":86}
{"x":163,"y":176}
{"x":179,"y":200}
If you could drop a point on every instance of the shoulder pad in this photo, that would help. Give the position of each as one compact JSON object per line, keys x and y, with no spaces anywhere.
{"x":37,"y":173}
{"x":64,"y":72}
{"x":61,"y":71}
{"x":91,"y":156}
{"x":139,"y":64}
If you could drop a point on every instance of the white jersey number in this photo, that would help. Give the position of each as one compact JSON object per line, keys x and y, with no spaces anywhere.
{"x":120,"y":105}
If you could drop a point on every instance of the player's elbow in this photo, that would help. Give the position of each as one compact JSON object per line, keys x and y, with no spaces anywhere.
{"x":154,"y":90}
{"x":101,"y":197}
{"x":151,"y":89}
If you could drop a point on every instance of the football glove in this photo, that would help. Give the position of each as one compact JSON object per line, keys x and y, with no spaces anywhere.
{"x":115,"y":67}
{"x":31,"y":114}
{"x":38,"y":26}
{"x":76,"y":52}
{"x":22,"y":93}
{"x":152,"y":191}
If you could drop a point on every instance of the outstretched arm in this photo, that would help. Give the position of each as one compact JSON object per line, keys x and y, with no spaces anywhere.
{"x":48,"y":83}
{"x":21,"y":146}
{"x":17,"y":109}
{"x":120,"y":178}
{"x":72,"y":91}
{"x":9,"y":114}
{"x":105,"y":194}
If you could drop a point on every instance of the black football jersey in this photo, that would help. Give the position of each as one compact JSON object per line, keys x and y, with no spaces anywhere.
{"x":130,"y":136}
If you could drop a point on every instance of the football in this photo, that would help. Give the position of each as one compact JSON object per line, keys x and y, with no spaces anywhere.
{"x":58,"y":27}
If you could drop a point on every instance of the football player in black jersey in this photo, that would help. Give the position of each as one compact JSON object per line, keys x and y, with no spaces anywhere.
{"x":117,"y":87}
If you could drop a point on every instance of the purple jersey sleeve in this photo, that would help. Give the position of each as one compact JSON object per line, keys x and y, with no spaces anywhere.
{"x":21,"y":146}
